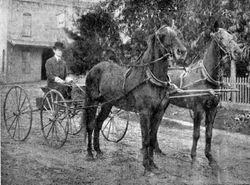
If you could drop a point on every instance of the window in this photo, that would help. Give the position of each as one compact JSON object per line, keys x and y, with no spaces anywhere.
{"x":27,"y":20}
{"x":3,"y":60}
{"x":26,"y":62}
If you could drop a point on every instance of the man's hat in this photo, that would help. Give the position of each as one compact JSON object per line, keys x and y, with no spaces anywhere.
{"x":58,"y":45}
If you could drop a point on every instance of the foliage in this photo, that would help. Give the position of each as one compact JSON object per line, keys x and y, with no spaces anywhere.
{"x":100,"y":29}
{"x":97,"y":32}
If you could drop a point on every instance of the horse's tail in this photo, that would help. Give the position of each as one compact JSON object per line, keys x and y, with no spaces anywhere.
{"x":84,"y":116}
{"x":84,"y":125}
{"x":89,"y":105}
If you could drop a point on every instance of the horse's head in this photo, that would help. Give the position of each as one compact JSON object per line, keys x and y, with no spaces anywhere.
{"x":171,"y":43}
{"x":227,"y":43}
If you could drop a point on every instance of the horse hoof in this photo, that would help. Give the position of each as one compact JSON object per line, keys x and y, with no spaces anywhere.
{"x":148,"y":174}
{"x":213,"y":164}
{"x":156,"y":170}
{"x":151,"y":172}
{"x":99,"y":155}
{"x":89,"y":157}
{"x":194,"y":164}
{"x":160,"y":153}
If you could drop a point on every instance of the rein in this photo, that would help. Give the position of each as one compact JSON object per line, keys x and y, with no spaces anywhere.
{"x":147,"y":64}
{"x":150,"y":76}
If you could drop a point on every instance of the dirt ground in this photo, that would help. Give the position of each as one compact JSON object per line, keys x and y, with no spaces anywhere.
{"x":32,"y":162}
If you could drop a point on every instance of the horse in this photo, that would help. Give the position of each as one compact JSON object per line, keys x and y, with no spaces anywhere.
{"x":142,"y":87}
{"x":204,"y":75}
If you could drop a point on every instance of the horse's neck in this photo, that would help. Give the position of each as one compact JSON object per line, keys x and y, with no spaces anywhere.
{"x":211,"y":60}
{"x":159,"y":68}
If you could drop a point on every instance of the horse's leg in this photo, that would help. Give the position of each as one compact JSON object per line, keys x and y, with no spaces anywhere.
{"x":157,"y":119}
{"x":103,"y":114}
{"x":90,"y":125}
{"x":198,"y":111}
{"x":210,"y":116}
{"x":145,"y":125}
{"x":155,"y":123}
{"x":157,"y":149}
{"x":142,"y":136}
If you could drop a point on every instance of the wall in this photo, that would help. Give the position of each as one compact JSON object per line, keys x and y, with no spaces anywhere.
{"x":44,"y":21}
{"x":3,"y":37}
{"x":15,"y":64}
{"x":45,"y":28}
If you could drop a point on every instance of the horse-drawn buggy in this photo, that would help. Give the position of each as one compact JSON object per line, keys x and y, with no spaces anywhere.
{"x":59,"y":116}
{"x":144,"y":87}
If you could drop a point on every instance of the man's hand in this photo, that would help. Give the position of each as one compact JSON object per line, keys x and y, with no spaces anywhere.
{"x":59,"y":80}
{"x":69,"y":79}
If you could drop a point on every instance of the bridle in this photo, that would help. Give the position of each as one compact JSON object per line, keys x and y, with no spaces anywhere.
{"x":150,"y":76}
{"x":205,"y":73}
{"x":168,"y":53}
{"x":228,"y":55}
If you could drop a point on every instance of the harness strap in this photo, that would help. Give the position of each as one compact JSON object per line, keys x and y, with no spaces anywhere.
{"x":205,"y":74}
{"x":152,"y":78}
{"x":208,"y":77}
{"x":126,"y":75}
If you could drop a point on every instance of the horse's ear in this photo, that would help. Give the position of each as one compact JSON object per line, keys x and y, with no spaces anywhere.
{"x":173,"y":24}
{"x":150,"y":40}
{"x":215,"y":26}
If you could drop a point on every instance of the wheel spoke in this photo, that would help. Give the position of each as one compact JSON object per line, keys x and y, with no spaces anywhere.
{"x":54,"y":130}
{"x":16,"y":110}
{"x":56,"y":136}
{"x":51,"y":128}
{"x":49,"y":104}
{"x":25,"y":108}
{"x":60,"y":123}
{"x":46,"y":108}
{"x":19,"y":100}
{"x":22,"y":113}
{"x":46,"y":125}
{"x":109,"y":128}
{"x":12,"y":99}
{"x":12,"y":124}
{"x":106,"y":125}
{"x":9,"y":117}
{"x":20,"y":108}
{"x":18,"y":127}
{"x":15,"y":130}
{"x":16,"y":96}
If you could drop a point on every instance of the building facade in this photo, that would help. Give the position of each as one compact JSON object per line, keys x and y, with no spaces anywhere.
{"x":29,"y":29}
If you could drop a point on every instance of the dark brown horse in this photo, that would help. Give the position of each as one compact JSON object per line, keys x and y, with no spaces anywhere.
{"x":205,"y":74}
{"x":142,"y":88}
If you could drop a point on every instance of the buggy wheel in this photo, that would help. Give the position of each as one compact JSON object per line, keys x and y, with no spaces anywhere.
{"x":54,"y":119}
{"x":75,"y":125}
{"x":17,"y":113}
{"x":115,"y":126}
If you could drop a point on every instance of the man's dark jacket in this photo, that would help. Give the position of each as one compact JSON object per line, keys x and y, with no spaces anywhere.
{"x":54,"y":69}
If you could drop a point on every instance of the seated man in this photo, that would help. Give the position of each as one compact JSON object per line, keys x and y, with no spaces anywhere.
{"x":57,"y":72}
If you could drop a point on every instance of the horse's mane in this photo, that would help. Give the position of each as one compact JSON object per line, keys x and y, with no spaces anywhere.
{"x":150,"y":47}
{"x":145,"y":55}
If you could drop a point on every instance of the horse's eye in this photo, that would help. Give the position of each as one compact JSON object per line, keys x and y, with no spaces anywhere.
{"x":162,"y":38}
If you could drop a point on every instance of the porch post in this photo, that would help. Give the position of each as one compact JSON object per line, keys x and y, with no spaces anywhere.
{"x":233,"y":79}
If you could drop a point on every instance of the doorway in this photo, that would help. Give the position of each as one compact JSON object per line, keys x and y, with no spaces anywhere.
{"x":46,"y":54}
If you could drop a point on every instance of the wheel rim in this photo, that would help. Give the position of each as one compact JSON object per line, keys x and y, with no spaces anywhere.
{"x":114,"y":128}
{"x":54,"y":119}
{"x":17,"y":113}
